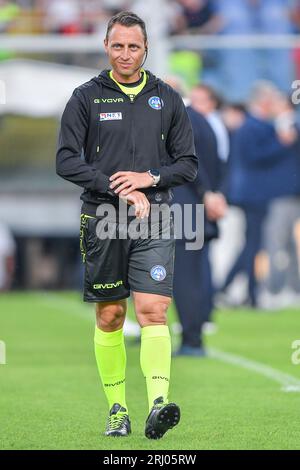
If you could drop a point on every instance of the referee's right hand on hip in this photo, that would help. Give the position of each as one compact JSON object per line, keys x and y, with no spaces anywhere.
{"x":139,"y":201}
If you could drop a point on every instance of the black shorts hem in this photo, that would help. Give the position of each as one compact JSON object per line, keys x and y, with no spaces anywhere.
{"x":152,"y":292}
{"x":107,"y":299}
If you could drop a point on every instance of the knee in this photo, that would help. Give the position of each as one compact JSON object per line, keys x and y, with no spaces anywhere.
{"x":152,"y":312}
{"x":110,"y":317}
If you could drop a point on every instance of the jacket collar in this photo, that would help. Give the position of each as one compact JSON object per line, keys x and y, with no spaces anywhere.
{"x":105,"y":80}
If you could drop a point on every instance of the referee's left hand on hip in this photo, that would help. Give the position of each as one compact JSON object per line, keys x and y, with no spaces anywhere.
{"x":128,"y":181}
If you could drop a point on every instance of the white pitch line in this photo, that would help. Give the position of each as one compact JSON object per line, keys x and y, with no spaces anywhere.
{"x":67,"y":305}
{"x":288,"y":382}
{"x":83,"y":310}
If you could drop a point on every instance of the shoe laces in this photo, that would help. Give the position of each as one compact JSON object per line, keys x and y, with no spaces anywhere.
{"x":115,"y":421}
{"x":159,"y":403}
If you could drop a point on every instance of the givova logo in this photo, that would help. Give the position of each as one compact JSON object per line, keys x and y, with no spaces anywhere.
{"x":2,"y":353}
{"x":111,"y":285}
{"x":108,"y":100}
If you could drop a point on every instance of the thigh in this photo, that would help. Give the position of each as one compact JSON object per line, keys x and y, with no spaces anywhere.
{"x":151,"y":266}
{"x":106,"y":263}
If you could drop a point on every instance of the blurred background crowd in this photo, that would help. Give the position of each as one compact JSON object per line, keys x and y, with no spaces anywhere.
{"x":231,"y":69}
{"x":183,"y":16}
{"x":234,"y":63}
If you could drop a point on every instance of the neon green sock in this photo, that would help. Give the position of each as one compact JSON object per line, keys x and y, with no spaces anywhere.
{"x":111,"y":360}
{"x":156,"y":361}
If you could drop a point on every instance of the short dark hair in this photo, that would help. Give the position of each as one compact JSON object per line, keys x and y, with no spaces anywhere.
{"x":236,"y":106}
{"x":126,"y":18}
{"x":213,"y":95}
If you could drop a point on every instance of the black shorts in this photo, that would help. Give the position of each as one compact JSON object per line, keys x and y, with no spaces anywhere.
{"x":114,"y":266}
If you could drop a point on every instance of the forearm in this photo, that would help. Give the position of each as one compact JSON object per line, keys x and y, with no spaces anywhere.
{"x":182,"y":171}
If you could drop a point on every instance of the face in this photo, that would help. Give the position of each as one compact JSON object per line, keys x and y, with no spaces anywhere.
{"x":281,"y":105}
{"x":201,"y":101}
{"x":233,"y":118}
{"x":267,"y":104}
{"x":193,"y":4}
{"x":125,"y":48}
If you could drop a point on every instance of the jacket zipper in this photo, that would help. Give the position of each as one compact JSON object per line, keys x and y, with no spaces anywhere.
{"x":131,"y":114}
{"x":132,"y":133}
{"x":132,"y":122}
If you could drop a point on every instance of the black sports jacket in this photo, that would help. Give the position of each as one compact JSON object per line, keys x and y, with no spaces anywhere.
{"x":102,"y":132}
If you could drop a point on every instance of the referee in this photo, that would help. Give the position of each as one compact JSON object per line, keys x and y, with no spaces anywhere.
{"x":126,"y":135}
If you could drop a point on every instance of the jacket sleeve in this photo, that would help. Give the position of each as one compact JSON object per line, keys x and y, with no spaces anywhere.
{"x":181,"y":150}
{"x":72,"y":137}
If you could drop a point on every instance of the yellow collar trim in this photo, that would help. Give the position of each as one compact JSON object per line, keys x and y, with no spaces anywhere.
{"x":132,"y":92}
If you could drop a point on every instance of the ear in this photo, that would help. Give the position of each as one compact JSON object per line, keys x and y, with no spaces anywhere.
{"x":105,"y":44}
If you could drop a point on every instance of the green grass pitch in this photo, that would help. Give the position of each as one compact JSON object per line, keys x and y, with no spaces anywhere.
{"x":51,"y":398}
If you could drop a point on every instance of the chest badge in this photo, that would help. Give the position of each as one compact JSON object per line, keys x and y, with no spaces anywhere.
{"x":155,"y":102}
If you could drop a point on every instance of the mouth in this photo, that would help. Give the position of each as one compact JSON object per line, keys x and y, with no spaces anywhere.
{"x":126,"y":66}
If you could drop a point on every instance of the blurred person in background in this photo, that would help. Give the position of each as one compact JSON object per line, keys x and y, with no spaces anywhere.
{"x":257,"y":161}
{"x":93,"y":17}
{"x":206,"y":102}
{"x":192,"y":279}
{"x":127,"y":119}
{"x":198,"y":17}
{"x":7,"y":258}
{"x":112,"y":7}
{"x":178,"y":84}
{"x":233,"y":117}
{"x":63,"y":16}
{"x":165,"y":22}
{"x":280,"y":237}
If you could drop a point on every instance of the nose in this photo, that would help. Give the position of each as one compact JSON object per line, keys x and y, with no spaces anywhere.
{"x":125,"y":53}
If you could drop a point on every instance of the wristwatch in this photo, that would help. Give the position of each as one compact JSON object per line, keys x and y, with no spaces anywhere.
{"x":155,"y":175}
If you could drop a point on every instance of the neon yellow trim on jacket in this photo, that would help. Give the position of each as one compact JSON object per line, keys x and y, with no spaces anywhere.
{"x":131,"y":92}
